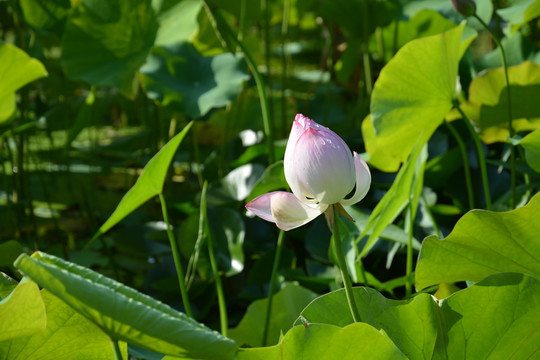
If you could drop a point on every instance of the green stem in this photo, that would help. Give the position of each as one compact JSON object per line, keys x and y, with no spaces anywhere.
{"x":284,"y":32}
{"x":509,"y":99}
{"x":176,"y":256}
{"x":432,"y":218}
{"x":464,"y":156}
{"x":213,"y":263}
{"x":273,"y":279}
{"x":368,"y":77}
{"x":480,"y":156}
{"x":338,"y":249}
{"x":116,"y":349}
{"x":409,"y":265}
{"x":220,"y":23}
{"x":197,"y":153}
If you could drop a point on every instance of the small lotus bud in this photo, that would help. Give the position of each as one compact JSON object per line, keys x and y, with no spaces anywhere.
{"x":464,"y":7}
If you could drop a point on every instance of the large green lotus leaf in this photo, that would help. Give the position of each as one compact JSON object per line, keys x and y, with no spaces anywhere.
{"x":22,"y":312}
{"x":179,"y":76}
{"x":488,"y":101}
{"x":531,"y":144}
{"x":149,"y":183}
{"x":68,"y":336}
{"x":482,"y":243}
{"x":495,"y":318}
{"x":286,"y":305}
{"x":413,"y":94}
{"x":17,"y":70}
{"x":46,"y":15}
{"x":105,"y":42}
{"x":177,"y":23}
{"x":123,"y":313}
{"x":328,"y":342}
{"x":412,"y":325}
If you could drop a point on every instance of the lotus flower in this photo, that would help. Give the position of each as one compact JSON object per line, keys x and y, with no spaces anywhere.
{"x":321,"y":171}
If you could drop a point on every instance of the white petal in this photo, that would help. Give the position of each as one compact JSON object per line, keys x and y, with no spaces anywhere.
{"x":298,"y":128}
{"x":289,"y":212}
{"x":363,"y":181}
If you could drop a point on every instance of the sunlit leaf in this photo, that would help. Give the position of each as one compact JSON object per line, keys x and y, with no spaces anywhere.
{"x":286,"y":305}
{"x":7,"y":285}
{"x":323,"y":341}
{"x":482,"y":243}
{"x":123,"y":313}
{"x":178,"y":76}
{"x":68,"y":336}
{"x":412,"y":95}
{"x":487,"y":318}
{"x":531,"y":144}
{"x":17,"y":70}
{"x":487,"y":105}
{"x":149,"y":183}
{"x":22,"y":312}
{"x":105,"y":42}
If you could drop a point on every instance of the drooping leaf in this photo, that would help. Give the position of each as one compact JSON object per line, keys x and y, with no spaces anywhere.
{"x":323,"y":341}
{"x":482,"y":243}
{"x":487,"y":105}
{"x":485,"y":318}
{"x":178,"y":76}
{"x":17,"y":70}
{"x":286,"y":305}
{"x":412,"y":95}
{"x":105,"y":42}
{"x":149,"y":183}
{"x":123,"y":313}
{"x":22,"y":312}
{"x":68,"y":336}
{"x":531,"y":144}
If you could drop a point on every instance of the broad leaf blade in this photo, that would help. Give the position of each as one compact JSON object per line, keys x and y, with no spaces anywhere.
{"x":123,"y":313}
{"x":286,"y":306}
{"x":68,"y":336}
{"x":149,"y":184}
{"x":323,"y":341}
{"x":414,"y":92}
{"x":106,"y":42}
{"x":22,"y":312}
{"x":482,"y":243}
{"x":17,"y":70}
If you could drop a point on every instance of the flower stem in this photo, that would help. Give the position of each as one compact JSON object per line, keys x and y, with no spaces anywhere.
{"x":409,"y":266}
{"x":273,"y":279}
{"x":480,"y":156}
{"x":213,"y":263}
{"x":465,"y":158}
{"x":338,"y":249}
{"x":116,"y":349}
{"x":509,"y":99}
{"x":177,"y":259}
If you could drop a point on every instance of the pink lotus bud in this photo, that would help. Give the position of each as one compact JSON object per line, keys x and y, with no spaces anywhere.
{"x":464,"y":7}
{"x":321,"y":171}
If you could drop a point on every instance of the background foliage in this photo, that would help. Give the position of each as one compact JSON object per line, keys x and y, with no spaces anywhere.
{"x":92,"y":90}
